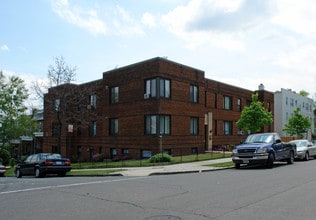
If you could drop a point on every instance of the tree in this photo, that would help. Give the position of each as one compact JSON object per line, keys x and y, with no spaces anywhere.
{"x":57,"y":74}
{"x":298,"y":124}
{"x":304,"y":93}
{"x":61,"y":75}
{"x":12,"y":96}
{"x":254,"y":117}
{"x":14,"y":122}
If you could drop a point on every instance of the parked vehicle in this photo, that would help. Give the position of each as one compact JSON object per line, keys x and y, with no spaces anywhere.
{"x":41,"y":164}
{"x":305,"y":149}
{"x":263,"y":148}
{"x":2,"y":169}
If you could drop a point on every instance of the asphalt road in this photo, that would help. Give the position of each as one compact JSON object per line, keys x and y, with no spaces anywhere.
{"x":284,"y":192}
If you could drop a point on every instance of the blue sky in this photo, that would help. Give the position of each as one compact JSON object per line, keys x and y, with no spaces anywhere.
{"x":239,"y":42}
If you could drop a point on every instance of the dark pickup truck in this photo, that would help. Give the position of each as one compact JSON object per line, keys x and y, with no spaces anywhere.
{"x":264,"y":149}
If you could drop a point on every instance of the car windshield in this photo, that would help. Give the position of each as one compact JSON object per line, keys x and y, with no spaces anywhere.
{"x":259,"y":138}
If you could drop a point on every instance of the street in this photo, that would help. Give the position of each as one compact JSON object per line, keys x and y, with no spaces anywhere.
{"x":284,"y":192}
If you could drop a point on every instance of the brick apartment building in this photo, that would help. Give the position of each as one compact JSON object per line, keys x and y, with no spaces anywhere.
{"x":142,"y":109}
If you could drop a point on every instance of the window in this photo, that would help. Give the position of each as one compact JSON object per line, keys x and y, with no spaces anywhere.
{"x":164,"y":88}
{"x":248,"y":103}
{"x":125,"y":151}
{"x":113,"y":152}
{"x":113,"y":127}
{"x":146,"y":153}
{"x":93,"y":100}
{"x":194,"y":126}
{"x":194,"y":150}
{"x":93,"y":129}
{"x":157,"y":88}
{"x":227,"y":128}
{"x":194,"y":94}
{"x":157,"y":124}
{"x":79,"y":129}
{"x":292,"y":102}
{"x":239,"y":105}
{"x":56,"y":129}
{"x":57,"y":105}
{"x":114,"y":95}
{"x":227,"y":102}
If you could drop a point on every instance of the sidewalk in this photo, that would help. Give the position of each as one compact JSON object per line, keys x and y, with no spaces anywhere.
{"x":200,"y":166}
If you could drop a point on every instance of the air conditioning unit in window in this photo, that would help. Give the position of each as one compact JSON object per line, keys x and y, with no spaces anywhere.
{"x":146,"y":96}
{"x":240,"y":132}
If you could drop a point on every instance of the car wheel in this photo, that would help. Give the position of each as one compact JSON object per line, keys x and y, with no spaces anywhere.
{"x":1,"y":174}
{"x":306,"y":156}
{"x":270,"y":160}
{"x":237,"y":165}
{"x":291,"y":159}
{"x":38,"y":173}
{"x":18,"y":173}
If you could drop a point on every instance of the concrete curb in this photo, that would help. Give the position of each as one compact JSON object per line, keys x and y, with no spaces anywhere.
{"x":190,"y":171}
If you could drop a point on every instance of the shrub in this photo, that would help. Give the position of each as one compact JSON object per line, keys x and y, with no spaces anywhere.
{"x":160,"y":158}
{"x":5,"y":156}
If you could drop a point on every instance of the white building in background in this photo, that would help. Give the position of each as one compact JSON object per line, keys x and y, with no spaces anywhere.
{"x":285,"y":102}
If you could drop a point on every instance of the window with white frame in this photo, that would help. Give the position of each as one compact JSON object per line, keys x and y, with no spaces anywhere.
{"x":57,"y":105}
{"x":113,"y":126}
{"x":239,"y":107}
{"x":227,"y":103}
{"x":157,"y":88}
{"x":227,"y":128}
{"x":194,"y":126}
{"x":93,"y":100}
{"x":114,"y":95}
{"x":157,"y":124}
{"x":93,"y":129}
{"x":194,"y":94}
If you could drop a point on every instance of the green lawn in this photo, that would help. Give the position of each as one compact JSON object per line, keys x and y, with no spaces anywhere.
{"x":92,"y":172}
{"x":77,"y":167}
{"x":140,"y":163}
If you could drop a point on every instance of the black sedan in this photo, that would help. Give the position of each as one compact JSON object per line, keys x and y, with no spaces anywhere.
{"x":39,"y":165}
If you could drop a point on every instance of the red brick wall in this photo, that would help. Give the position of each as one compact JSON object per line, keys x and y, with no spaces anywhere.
{"x":132,"y":108}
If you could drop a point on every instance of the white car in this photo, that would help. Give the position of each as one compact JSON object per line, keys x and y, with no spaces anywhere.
{"x":2,"y":169}
{"x":304,"y":149}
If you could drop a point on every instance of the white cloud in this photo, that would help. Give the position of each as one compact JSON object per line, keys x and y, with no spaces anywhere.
{"x":297,"y":16}
{"x":120,"y":21}
{"x":4,"y":47}
{"x":149,"y":20}
{"x":221,"y":23}
{"x":87,"y":19}
{"x":301,"y":59}
{"x":125,"y":24}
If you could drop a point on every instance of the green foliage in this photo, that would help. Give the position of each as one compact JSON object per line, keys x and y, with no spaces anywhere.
{"x":12,"y":97}
{"x":304,"y":93}
{"x":5,"y":156}
{"x":297,"y":125}
{"x":160,"y":158}
{"x":254,"y":117}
